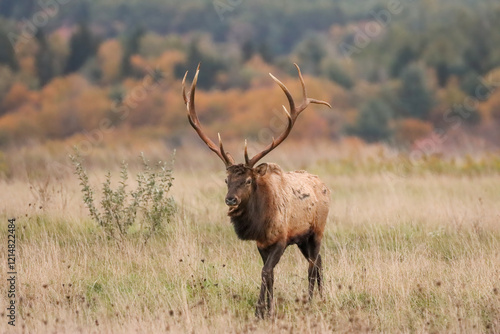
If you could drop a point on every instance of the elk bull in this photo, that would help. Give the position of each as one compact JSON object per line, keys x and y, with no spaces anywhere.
{"x":272,"y":207}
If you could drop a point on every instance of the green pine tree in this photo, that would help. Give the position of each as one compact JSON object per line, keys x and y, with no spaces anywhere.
{"x":415,"y":98}
{"x":131,"y":47}
{"x":7,"y":54}
{"x":82,"y":47}
{"x":44,"y":59}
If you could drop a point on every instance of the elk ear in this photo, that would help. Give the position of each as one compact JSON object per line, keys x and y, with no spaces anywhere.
{"x":261,"y":169}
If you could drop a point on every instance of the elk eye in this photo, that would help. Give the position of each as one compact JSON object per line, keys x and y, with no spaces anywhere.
{"x":249,"y":181}
{"x":225,"y":181}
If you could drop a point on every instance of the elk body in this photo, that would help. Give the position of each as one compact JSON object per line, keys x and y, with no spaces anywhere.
{"x":273,"y":207}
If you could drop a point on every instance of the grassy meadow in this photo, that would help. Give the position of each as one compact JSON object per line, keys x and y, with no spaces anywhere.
{"x":416,"y":251}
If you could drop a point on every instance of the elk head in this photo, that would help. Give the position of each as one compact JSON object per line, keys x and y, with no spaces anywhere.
{"x":242,"y":178}
{"x":241,"y":184}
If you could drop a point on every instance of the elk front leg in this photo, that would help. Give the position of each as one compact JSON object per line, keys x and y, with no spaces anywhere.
{"x":270,"y":256}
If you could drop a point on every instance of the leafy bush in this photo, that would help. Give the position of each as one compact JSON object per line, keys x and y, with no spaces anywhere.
{"x":148,"y":206}
{"x":152,"y":193}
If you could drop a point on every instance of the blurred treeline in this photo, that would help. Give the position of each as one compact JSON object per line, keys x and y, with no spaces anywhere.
{"x":394,"y":71}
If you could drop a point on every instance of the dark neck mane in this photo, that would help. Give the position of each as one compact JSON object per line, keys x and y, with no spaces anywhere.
{"x":251,"y":221}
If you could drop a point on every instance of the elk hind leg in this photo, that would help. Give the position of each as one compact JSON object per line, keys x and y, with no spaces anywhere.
{"x":310,"y":249}
{"x":318,"y":265}
{"x":319,"y":275}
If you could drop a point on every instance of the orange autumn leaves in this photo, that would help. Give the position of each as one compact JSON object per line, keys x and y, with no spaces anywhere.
{"x":69,"y":105}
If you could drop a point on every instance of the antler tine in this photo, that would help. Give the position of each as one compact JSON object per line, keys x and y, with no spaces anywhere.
{"x":292,"y":116}
{"x":304,"y":91}
{"x":247,"y":160}
{"x":195,"y":122}
{"x":306,"y":100}
{"x":230,"y":157}
{"x":225,"y":155}
{"x":191,"y":109}
{"x":286,"y":91}
{"x":184,"y":88}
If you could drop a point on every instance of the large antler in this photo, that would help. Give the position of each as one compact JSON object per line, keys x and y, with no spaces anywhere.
{"x":195,"y":122}
{"x":292,"y":116}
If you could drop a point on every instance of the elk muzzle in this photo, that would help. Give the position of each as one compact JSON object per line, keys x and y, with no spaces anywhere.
{"x":232,"y":201}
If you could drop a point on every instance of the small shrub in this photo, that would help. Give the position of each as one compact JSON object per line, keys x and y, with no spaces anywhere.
{"x":148,"y":206}
{"x":152,"y":194}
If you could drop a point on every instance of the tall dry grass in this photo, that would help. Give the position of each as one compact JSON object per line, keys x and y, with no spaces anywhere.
{"x":413,"y":253}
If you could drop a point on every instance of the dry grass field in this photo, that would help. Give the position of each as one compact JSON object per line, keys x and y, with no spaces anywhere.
{"x":418,"y":253}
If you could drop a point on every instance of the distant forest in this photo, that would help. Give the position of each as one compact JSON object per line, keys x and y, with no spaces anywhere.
{"x":397,"y":71}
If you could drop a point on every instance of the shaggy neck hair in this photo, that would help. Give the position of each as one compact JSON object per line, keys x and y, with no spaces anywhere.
{"x":251,"y":219}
